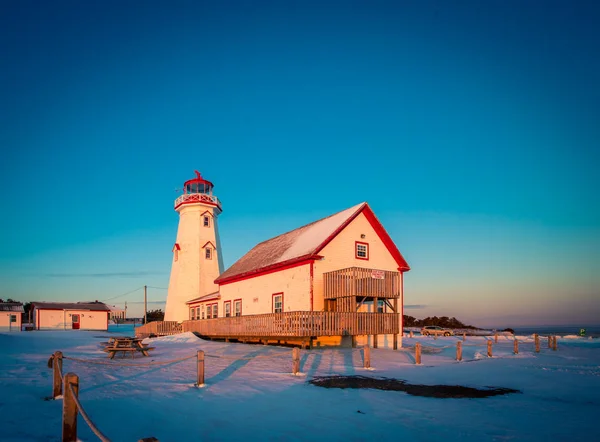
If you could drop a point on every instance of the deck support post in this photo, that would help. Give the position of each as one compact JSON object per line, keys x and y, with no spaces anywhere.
{"x":395,"y":341}
{"x":353,"y":342}
{"x":375,"y":341}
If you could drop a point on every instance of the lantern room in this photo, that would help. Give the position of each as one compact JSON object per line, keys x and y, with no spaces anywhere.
{"x":198,"y":191}
{"x":198,"y":185}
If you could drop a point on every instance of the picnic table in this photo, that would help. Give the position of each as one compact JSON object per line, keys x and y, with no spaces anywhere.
{"x":126,"y":345}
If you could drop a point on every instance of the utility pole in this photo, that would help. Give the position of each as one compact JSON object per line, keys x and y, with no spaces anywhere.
{"x":145,"y":304}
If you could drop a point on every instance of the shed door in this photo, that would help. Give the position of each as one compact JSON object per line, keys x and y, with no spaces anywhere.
{"x":75,"y":319}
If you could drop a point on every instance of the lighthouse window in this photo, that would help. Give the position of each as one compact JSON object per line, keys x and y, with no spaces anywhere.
{"x":362,"y":250}
{"x":206,"y":221}
{"x":208,"y":253}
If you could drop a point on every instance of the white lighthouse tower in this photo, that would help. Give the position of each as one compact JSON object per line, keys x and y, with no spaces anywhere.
{"x":197,"y":259}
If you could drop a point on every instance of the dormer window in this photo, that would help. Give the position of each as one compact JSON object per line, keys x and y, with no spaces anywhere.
{"x":176,"y":250}
{"x":206,"y":221}
{"x":208,"y":253}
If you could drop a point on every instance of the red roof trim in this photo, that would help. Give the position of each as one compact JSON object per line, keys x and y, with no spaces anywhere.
{"x":340,"y":228}
{"x":176,"y":247}
{"x":206,"y":203}
{"x":205,"y":212}
{"x":386,"y":239}
{"x":209,"y":242}
{"x":291,"y":263}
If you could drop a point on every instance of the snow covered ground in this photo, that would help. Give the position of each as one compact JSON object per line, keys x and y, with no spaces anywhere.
{"x":250,"y":393}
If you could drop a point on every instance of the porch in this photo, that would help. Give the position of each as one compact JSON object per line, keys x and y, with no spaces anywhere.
{"x":347,"y":290}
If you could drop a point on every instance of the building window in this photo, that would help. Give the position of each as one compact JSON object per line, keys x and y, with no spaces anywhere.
{"x":208,"y":312}
{"x":192,"y":313}
{"x":197,"y":312}
{"x":13,"y":318}
{"x":202,"y":312}
{"x":380,"y":307}
{"x":362,"y":250}
{"x":237,"y":307}
{"x":208,"y":253}
{"x":215,"y":311}
{"x":227,"y":308}
{"x":206,"y":221}
{"x":278,"y":303}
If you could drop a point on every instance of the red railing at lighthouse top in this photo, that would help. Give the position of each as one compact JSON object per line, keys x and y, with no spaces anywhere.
{"x":198,"y":190}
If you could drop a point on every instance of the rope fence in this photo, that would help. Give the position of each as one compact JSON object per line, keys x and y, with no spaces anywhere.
{"x":69,"y":384}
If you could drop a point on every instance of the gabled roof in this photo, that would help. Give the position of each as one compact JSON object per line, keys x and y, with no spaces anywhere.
{"x":209,"y":297}
{"x":11,"y":307}
{"x":91,"y":306}
{"x":304,"y":243}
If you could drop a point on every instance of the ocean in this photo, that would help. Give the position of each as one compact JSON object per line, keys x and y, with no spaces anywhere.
{"x":559,"y":330}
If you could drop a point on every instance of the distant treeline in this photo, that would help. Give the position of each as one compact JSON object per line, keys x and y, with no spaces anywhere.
{"x":442,"y":321}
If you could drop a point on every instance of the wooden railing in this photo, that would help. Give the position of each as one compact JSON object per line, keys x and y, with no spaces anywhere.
{"x":297,"y":324}
{"x":197,"y":198}
{"x":159,"y":328}
{"x":361,"y":282}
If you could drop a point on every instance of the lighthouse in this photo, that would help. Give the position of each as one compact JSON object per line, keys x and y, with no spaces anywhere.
{"x":197,"y":259}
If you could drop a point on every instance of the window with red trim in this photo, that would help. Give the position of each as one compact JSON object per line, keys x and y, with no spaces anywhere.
{"x":278,"y":303}
{"x":227,"y":308}
{"x":361,"y":250}
{"x":237,"y":307}
{"x":215,"y":311}
{"x":208,"y":311}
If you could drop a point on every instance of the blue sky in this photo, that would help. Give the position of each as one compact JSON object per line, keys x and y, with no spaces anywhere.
{"x":471,"y":128}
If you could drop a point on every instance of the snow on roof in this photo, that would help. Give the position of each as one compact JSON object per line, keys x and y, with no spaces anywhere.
{"x":92,"y":306}
{"x":300,"y":242}
{"x":209,"y":297}
{"x":11,"y":307}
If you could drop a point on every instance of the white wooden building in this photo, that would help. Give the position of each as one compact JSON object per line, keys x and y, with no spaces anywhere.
{"x":70,"y":315}
{"x":11,"y":314}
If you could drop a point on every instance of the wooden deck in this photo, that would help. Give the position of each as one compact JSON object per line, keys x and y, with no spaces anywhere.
{"x":158,"y":328}
{"x":297,"y":324}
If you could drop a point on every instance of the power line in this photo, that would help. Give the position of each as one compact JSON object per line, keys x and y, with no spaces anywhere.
{"x":115,"y":297}
{"x":158,"y":288}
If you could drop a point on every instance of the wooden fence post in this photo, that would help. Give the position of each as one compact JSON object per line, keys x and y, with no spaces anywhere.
{"x":69,"y":418}
{"x":367,"y":357}
{"x":200,"y":381}
{"x":549,"y":341}
{"x":489,"y":349}
{"x":411,"y":333}
{"x":555,"y":344}
{"x":418,"y":353}
{"x":295,"y":360}
{"x":459,"y":351}
{"x":496,"y":337}
{"x":536,"y":338}
{"x":434,"y":336}
{"x":464,"y":336}
{"x":57,"y":364}
{"x":516,"y":347}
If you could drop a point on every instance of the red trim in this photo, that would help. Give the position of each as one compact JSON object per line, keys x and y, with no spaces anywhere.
{"x":198,"y":179}
{"x":387,"y":240}
{"x":206,"y":203}
{"x":209,"y":242}
{"x":176,"y":247}
{"x":356,"y":243}
{"x":375,"y":224}
{"x":340,"y":228}
{"x":273,"y":302}
{"x":241,"y":305}
{"x":302,"y":260}
{"x":207,"y":211}
{"x":225,"y":310}
{"x":402,"y":303}
{"x":312,"y":265}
